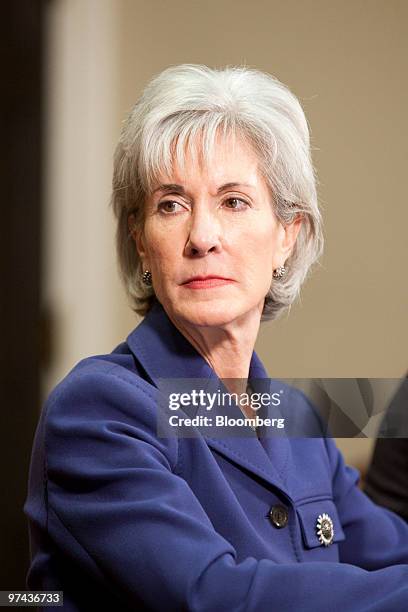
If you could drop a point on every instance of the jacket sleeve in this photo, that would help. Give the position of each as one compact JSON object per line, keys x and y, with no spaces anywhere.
{"x":386,"y":482}
{"x":375,"y":537}
{"x":118,"y":509}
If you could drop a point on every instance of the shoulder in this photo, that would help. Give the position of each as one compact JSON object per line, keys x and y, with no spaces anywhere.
{"x":103,"y":398}
{"x":301,"y":417}
{"x":99,"y":379}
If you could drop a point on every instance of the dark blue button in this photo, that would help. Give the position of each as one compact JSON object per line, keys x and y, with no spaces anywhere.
{"x":279,"y":516}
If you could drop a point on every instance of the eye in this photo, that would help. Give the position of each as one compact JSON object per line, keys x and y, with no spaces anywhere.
{"x":170,"y":207}
{"x":236,"y":204}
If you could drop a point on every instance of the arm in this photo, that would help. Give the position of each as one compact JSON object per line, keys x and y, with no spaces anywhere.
{"x":117,"y":508}
{"x":375,"y":537}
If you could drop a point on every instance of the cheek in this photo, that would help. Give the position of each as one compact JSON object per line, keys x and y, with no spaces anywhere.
{"x":155,"y":243}
{"x":254,"y":255}
{"x":259,"y":242}
{"x":162,"y":255}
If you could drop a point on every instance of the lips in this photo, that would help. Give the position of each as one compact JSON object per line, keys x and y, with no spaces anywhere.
{"x":206,"y":282}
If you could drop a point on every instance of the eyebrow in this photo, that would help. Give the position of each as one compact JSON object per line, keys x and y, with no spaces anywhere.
{"x":175,"y":188}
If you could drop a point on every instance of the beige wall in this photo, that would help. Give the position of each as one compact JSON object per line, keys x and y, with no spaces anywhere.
{"x":80,"y":285}
{"x":347,"y":62}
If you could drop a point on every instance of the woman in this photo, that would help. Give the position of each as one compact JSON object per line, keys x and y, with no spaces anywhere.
{"x":217,"y":226}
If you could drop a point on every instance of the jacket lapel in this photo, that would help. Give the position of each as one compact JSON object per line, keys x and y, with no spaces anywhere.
{"x":164,"y":353}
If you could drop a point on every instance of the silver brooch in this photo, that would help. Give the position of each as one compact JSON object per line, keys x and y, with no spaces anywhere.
{"x":325,"y":529}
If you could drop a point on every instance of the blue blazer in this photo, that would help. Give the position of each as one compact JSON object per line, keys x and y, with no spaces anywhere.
{"x":122,"y":519}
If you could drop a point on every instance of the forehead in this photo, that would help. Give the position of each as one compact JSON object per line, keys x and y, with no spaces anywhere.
{"x":228,"y":160}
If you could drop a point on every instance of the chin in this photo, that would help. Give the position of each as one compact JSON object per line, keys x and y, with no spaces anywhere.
{"x":208,"y":313}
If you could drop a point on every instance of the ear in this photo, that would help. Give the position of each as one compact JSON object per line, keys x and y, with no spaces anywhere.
{"x":137,"y":235}
{"x":288,"y":238}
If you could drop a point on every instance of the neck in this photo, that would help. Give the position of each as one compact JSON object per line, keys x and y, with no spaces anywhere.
{"x":227,"y":349}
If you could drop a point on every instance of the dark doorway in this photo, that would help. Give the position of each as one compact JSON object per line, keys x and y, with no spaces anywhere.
{"x":21,"y":164}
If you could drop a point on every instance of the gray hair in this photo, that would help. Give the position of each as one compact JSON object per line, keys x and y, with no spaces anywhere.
{"x":190,"y":100}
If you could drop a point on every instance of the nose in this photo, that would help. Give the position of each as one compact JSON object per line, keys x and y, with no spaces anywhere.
{"x":204,"y":234}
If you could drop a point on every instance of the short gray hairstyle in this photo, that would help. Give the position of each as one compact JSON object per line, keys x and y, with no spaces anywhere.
{"x":189,"y":101}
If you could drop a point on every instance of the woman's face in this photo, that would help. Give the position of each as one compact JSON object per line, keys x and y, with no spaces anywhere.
{"x":211,"y":239}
